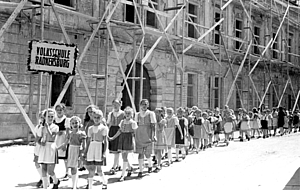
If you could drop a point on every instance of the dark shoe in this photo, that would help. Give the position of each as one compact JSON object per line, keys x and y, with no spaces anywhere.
{"x":39,"y":184}
{"x":140,"y":174}
{"x":150,"y":170}
{"x":55,"y":186}
{"x":241,"y":140}
{"x":176,"y":160}
{"x":156,"y":170}
{"x":104,"y":186}
{"x":112,"y":171}
{"x":118,"y":168}
{"x":66,"y":177}
{"x":81,"y":169}
{"x":122,"y":178}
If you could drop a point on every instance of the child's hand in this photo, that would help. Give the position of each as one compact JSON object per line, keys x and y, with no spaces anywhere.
{"x":181,"y":136}
{"x":110,"y":138}
{"x":154,"y":139}
{"x":64,"y":147}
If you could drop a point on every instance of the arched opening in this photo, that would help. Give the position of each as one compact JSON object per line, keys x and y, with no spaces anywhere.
{"x":134,"y":86}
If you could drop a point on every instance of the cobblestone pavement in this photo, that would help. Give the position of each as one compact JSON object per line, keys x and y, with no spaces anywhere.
{"x":267,"y":164}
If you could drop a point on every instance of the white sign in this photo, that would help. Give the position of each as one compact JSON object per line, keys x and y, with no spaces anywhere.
{"x":52,"y":57}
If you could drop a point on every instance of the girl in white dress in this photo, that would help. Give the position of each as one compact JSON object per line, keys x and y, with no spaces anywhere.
{"x":48,"y":150}
{"x":38,"y":136}
{"x":76,"y":141}
{"x":172,"y":123}
{"x":96,"y":148}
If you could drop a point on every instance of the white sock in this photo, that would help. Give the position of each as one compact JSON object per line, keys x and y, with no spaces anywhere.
{"x":149,"y":163}
{"x":104,"y":181}
{"x":169,"y":155}
{"x":45,"y":182}
{"x":141,"y":164}
{"x":74,"y":181}
{"x":183,"y":151}
{"x":177,"y":153}
{"x":90,"y":182}
{"x":48,"y":177}
{"x":54,"y":179}
{"x":124,"y":168}
{"x":40,"y":171}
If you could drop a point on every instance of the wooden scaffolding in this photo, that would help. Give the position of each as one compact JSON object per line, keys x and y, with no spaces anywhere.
{"x":176,"y":14}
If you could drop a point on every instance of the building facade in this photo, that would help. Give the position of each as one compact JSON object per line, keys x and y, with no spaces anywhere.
{"x":201,"y":76}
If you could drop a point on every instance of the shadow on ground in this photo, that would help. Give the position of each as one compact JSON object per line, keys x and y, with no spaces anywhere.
{"x":294,"y":183}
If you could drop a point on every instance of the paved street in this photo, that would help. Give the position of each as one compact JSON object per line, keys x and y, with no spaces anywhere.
{"x":259,"y":164}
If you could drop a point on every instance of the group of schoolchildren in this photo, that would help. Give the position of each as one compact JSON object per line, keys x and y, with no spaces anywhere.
{"x":83,"y":145}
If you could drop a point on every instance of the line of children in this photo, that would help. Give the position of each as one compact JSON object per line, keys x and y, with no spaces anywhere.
{"x":150,"y":133}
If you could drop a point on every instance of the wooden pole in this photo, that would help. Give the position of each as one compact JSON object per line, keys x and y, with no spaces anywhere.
{"x":237,"y":74}
{"x":296,"y":101}
{"x":263,"y":98}
{"x":106,"y":72}
{"x":40,"y":77}
{"x":14,"y":97}
{"x":12,"y":17}
{"x":281,"y":97}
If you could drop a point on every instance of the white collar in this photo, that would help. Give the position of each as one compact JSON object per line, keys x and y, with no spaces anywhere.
{"x":58,"y":120}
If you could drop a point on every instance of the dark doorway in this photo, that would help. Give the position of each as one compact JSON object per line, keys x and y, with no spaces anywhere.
{"x":136,"y":95}
{"x":58,"y":82}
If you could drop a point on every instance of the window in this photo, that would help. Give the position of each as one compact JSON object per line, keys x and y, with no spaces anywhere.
{"x":238,"y":98}
{"x":69,"y":3}
{"x":217,"y":38}
{"x":215,"y":92}
{"x":275,"y":47}
{"x":192,"y":17}
{"x":298,"y":51}
{"x":58,"y":82}
{"x":150,"y":16}
{"x":192,"y":90}
{"x":238,"y":33}
{"x":256,"y":40}
{"x":289,"y":47}
{"x":130,"y":12}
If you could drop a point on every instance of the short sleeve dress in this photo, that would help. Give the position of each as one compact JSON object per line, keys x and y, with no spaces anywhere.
{"x":97,"y":135}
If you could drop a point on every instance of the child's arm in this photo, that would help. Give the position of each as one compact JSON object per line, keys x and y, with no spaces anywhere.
{"x":179,"y":128}
{"x":115,"y":136}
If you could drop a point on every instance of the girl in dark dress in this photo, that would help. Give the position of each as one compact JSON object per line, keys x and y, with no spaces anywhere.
{"x":281,"y":120}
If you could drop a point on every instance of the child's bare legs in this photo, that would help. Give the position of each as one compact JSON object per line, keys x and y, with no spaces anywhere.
{"x":44,"y":176}
{"x":91,"y":169}
{"x":241,"y":135}
{"x":102,"y":176}
{"x":116,"y":161}
{"x":170,"y":155}
{"x":125,"y":164}
{"x":74,"y":177}
{"x":158,"y":154}
{"x":39,"y":169}
{"x":196,"y":144}
{"x":66,"y":168}
{"x":204,"y":143}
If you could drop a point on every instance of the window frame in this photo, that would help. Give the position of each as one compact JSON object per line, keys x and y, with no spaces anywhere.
{"x":73,"y":5}
{"x":290,"y":47}
{"x":237,"y":44}
{"x":217,"y":29}
{"x":216,"y":88}
{"x":194,"y":86}
{"x":135,"y":18}
{"x":192,"y":16}
{"x":275,"y":47}
{"x":157,"y":8}
{"x":257,"y":40}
